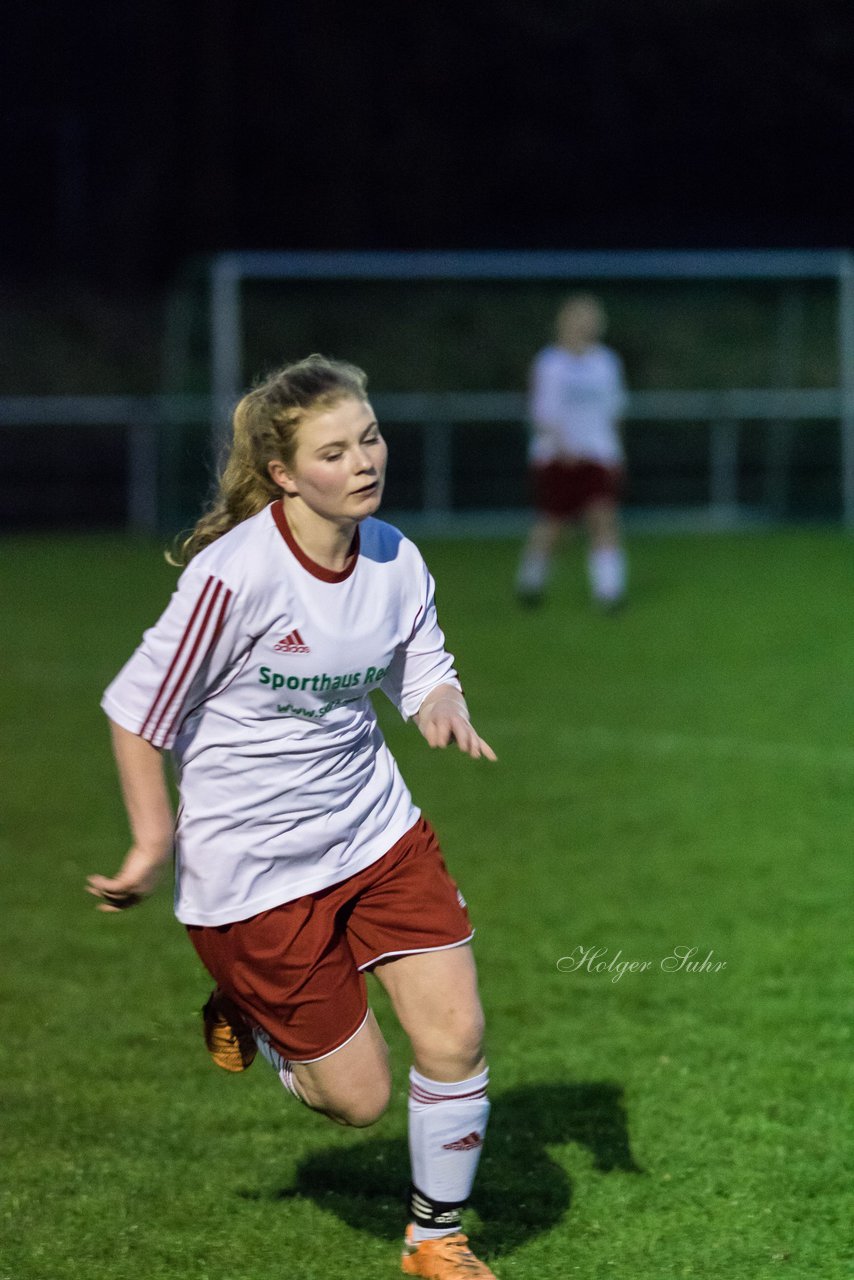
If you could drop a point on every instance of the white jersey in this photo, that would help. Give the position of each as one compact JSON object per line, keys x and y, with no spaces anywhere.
{"x":257,"y":677}
{"x":576,"y":402}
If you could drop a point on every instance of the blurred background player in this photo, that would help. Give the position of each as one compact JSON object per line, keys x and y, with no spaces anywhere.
{"x":301,"y":861}
{"x":576,"y":455}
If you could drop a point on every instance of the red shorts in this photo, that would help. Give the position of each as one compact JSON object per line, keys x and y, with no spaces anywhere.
{"x":564,"y":489}
{"x":297,"y":971}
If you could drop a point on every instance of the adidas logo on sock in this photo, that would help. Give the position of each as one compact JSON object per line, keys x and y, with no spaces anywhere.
{"x":470,"y":1142}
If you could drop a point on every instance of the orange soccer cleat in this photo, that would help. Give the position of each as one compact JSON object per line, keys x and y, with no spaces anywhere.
{"x":448,"y":1258}
{"x":228,"y":1035}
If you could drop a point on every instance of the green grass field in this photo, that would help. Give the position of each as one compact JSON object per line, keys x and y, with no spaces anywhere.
{"x":681,"y":775}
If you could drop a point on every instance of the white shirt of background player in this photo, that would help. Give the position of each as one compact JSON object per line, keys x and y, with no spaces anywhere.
{"x":577,"y":397}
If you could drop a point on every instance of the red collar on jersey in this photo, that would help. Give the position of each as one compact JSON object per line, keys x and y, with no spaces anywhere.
{"x":311,"y":566}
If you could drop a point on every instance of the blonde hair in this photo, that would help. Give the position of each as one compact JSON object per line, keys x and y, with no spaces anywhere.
{"x":265,"y":425}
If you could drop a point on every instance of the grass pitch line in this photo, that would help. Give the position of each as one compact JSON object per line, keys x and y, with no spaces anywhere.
{"x":599,"y":738}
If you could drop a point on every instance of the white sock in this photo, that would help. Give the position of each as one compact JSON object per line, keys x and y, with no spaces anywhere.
{"x":606,"y":567}
{"x":533,"y":571}
{"x":282,"y":1067}
{"x":447,"y":1123}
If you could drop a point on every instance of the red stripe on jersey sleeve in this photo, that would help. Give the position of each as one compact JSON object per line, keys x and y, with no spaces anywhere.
{"x":184,"y":638}
{"x":214,"y":637}
{"x":190,"y":665}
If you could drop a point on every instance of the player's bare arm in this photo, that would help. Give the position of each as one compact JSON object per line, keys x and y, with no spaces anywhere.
{"x":443,"y":718}
{"x":149,"y":811}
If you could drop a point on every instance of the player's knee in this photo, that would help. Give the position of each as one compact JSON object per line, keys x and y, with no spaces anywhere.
{"x":455,"y":1051}
{"x":468,"y":1057}
{"x":359,"y":1110}
{"x":358,"y":1107}
{"x":363,"y":1112}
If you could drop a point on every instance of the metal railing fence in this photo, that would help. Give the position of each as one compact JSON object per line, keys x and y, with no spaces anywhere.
{"x":154,"y":425}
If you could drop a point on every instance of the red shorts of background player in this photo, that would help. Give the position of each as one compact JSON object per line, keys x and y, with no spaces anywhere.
{"x":298,"y":970}
{"x":564,"y":489}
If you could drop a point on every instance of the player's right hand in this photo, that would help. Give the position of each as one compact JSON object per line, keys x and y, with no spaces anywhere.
{"x":135,"y":881}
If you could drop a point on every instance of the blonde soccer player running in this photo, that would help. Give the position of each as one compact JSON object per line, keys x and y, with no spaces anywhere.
{"x":302,"y":862}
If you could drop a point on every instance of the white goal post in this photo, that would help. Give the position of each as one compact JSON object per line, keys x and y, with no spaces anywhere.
{"x":229,"y":271}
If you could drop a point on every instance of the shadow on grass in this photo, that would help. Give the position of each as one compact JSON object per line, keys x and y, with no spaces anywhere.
{"x":520,"y":1191}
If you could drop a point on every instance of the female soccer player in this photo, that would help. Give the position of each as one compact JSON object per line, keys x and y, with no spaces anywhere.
{"x":577,"y":396}
{"x":301,"y":860}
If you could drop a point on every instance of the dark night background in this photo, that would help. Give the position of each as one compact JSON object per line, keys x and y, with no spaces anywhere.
{"x":138,"y":134}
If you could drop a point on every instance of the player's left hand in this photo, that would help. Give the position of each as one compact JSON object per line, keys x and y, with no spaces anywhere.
{"x":445,"y":721}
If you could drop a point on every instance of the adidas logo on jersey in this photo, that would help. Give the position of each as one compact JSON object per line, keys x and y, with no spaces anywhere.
{"x":470,"y":1142}
{"x":292,"y":643}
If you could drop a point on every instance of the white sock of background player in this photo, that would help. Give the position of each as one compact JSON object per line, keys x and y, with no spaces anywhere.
{"x":533,"y":572}
{"x":606,"y":568}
